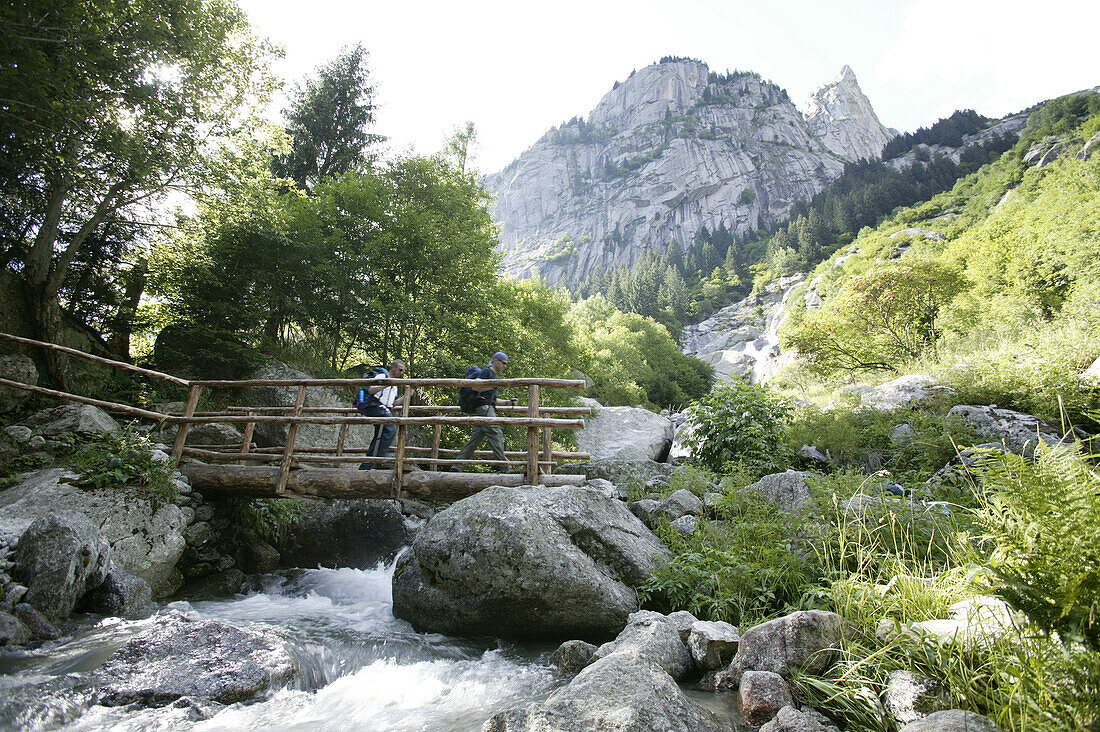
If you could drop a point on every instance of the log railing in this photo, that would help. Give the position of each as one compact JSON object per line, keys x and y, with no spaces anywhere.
{"x":537,"y":461}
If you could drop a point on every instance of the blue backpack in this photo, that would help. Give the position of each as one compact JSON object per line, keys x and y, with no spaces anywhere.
{"x":467,"y":396}
{"x":364,"y":400}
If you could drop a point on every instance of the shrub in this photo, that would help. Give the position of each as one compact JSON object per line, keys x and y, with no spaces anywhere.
{"x":1043,"y":519}
{"x":123,"y":458}
{"x":740,"y":422}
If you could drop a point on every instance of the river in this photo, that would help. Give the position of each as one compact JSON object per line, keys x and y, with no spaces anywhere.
{"x":361,"y":668}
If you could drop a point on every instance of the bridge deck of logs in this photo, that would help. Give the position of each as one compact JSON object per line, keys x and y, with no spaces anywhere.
{"x":294,"y":470}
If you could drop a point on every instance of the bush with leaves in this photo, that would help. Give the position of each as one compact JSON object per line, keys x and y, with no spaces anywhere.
{"x":1042,"y":517}
{"x":123,"y":458}
{"x":741,"y":423}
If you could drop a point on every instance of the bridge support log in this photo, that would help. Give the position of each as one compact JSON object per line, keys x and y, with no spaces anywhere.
{"x":250,"y":481}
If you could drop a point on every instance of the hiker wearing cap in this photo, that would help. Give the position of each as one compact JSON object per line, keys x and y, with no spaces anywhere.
{"x":484,"y":402}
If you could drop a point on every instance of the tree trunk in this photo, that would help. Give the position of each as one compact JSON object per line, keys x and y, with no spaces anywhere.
{"x":123,"y":326}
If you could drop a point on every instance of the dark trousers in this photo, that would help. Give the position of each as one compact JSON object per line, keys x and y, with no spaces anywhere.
{"x":383,"y":435}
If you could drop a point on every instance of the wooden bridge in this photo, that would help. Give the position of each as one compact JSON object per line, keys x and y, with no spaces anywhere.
{"x":294,"y":470}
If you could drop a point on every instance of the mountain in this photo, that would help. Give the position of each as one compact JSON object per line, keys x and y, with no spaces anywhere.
{"x":671,"y":150}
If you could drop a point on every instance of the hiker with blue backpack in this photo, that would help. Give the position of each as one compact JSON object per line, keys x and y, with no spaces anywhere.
{"x":481,"y":401}
{"x":377,"y":401}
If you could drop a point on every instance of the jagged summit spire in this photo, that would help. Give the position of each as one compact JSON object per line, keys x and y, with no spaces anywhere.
{"x":841,"y":116}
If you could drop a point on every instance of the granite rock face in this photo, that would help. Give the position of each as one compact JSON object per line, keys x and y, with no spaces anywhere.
{"x":535,"y":562}
{"x":841,"y":117}
{"x":145,"y":535}
{"x":16,"y":367}
{"x":626,"y":434}
{"x":672,"y":149}
{"x":60,"y":557}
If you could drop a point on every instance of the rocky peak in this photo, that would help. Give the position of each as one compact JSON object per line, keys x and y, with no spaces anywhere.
{"x":840,"y":115}
{"x":672,"y":149}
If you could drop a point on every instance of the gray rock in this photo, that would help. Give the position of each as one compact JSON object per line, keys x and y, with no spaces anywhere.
{"x":13,"y":632}
{"x":974,"y":623}
{"x":915,"y":231}
{"x":541,"y":562}
{"x":605,"y":487}
{"x":681,"y":503}
{"x":76,"y":418}
{"x":809,"y":452}
{"x":20,"y":368}
{"x":686,"y":525}
{"x":36,"y":622}
{"x":683,"y":621}
{"x":713,"y":643}
{"x":286,"y":396}
{"x":790,"y":719}
{"x":1092,"y":373}
{"x":904,"y":392}
{"x":1020,"y":432}
{"x":802,"y":641}
{"x":572,"y":656}
{"x":345,"y":533}
{"x":615,"y":693}
{"x":33,"y":704}
{"x":762,"y":695}
{"x":649,"y":636}
{"x":952,"y":720}
{"x":789,"y":490}
{"x":225,"y":583}
{"x":18,"y":433}
{"x":646,"y":511}
{"x":902,"y":434}
{"x":626,"y":433}
{"x":145,"y":534}
{"x":60,"y":557}
{"x":202,"y":659}
{"x":121,"y":594}
{"x":621,"y":473}
{"x":909,"y":696}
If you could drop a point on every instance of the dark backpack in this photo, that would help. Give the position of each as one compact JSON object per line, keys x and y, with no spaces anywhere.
{"x":467,"y":397}
{"x":364,"y":400}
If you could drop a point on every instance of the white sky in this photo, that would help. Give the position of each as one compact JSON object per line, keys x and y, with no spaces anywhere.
{"x":516,"y":68}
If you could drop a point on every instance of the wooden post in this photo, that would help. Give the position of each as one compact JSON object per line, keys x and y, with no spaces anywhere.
{"x":181,"y":433}
{"x":547,"y":449}
{"x":532,"y":471}
{"x":340,"y":440}
{"x":399,"y":457}
{"x":437,"y":431}
{"x":291,"y":436}
{"x":249,"y":430}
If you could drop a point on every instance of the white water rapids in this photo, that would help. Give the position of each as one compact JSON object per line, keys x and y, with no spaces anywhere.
{"x":361,"y":668}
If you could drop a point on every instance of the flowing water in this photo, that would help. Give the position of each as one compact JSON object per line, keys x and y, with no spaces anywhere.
{"x":361,"y":668}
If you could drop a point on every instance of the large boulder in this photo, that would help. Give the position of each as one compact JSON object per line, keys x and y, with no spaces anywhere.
{"x":713,"y":643}
{"x":318,"y":435}
{"x":550,"y":563}
{"x":904,"y":392}
{"x":623,"y":473}
{"x":345,"y":533}
{"x":615,"y":693}
{"x":791,"y":719}
{"x":762,"y":695}
{"x":789,"y":491}
{"x":120,"y":594}
{"x":626,"y":433}
{"x":75,"y":418}
{"x":800,"y":642}
{"x":649,"y":636}
{"x":60,"y":558}
{"x":909,"y":696}
{"x":145,"y":534}
{"x":1018,"y":431}
{"x":201,"y":659}
{"x":952,"y":720}
{"x":19,"y":368}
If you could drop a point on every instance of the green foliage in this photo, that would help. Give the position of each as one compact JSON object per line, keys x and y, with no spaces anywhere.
{"x":865,"y":439}
{"x":327,"y":122}
{"x":1043,"y":519}
{"x":633,"y":359}
{"x":742,"y":570}
{"x":879,"y":320}
{"x":740,"y":422}
{"x":270,"y":518}
{"x":123,"y":458}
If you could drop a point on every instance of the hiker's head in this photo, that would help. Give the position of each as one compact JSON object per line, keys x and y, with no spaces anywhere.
{"x":498,"y":361}
{"x":397,"y":369}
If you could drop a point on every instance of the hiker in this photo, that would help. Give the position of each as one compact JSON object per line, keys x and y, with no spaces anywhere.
{"x":482,"y":403}
{"x":378,"y":402}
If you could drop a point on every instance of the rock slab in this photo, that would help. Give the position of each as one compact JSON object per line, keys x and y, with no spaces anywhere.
{"x":549,"y":563}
